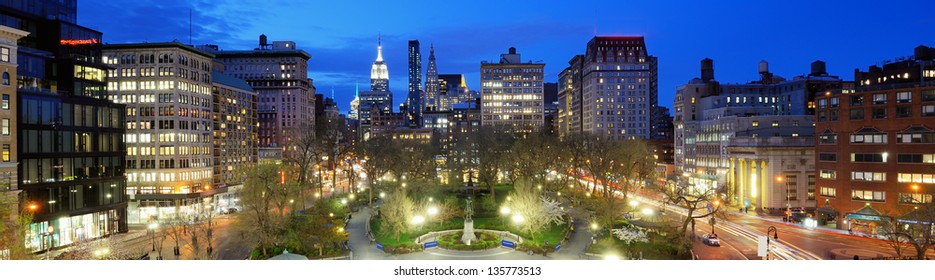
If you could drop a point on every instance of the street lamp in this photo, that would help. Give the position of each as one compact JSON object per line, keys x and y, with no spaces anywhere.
{"x":517,"y":218}
{"x":788,"y":203}
{"x":49,"y":231}
{"x":432,"y":211}
{"x":152,"y":233}
{"x":775,"y":233}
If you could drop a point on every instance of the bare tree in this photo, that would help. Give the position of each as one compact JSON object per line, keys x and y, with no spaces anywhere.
{"x":692,"y":199}
{"x":176,"y":229}
{"x":493,"y":155}
{"x":379,"y":157}
{"x":260,"y":221}
{"x":913,"y":228}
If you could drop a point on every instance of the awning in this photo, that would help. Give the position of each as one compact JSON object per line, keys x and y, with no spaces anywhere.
{"x":868,"y":214}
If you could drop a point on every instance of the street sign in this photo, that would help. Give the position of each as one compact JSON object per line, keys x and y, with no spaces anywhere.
{"x":379,"y":246}
{"x":431,"y":244}
{"x":761,"y":243}
{"x":508,"y":244}
{"x":558,"y":246}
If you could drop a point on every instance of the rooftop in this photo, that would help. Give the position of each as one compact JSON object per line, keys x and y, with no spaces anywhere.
{"x":157,"y":45}
{"x":231,"y":81}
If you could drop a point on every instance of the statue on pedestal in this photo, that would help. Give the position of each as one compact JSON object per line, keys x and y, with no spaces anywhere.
{"x":468,"y":236}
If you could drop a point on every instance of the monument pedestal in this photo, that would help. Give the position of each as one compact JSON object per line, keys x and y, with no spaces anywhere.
{"x":468,"y":236}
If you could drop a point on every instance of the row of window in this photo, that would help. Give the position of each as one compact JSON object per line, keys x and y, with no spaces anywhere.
{"x":873,"y":136}
{"x":879,"y":196}
{"x":876,"y":113}
{"x":876,"y":99}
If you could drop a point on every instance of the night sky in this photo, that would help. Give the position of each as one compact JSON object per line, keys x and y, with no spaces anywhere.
{"x":341,"y":36}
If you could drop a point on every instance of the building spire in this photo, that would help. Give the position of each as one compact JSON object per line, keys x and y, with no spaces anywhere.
{"x":379,"y":48}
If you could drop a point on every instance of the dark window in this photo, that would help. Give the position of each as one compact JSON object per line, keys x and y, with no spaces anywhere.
{"x":828,"y":157}
{"x":857,"y":100}
{"x":909,"y":158}
{"x":828,"y":138}
{"x":928,"y":95}
{"x":6,"y":102}
{"x":857,"y":114}
{"x":867,"y":158}
{"x":834,"y":115}
{"x":822,"y":116}
{"x":6,"y":78}
{"x":879,"y":113}
{"x":904,"y":112}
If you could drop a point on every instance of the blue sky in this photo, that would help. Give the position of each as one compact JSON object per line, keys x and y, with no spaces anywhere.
{"x":341,"y":35}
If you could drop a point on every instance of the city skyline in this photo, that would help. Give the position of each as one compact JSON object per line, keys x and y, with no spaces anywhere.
{"x":342,"y":44}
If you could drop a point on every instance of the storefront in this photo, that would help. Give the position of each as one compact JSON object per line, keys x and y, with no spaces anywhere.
{"x":866,"y":221}
{"x":69,"y":230}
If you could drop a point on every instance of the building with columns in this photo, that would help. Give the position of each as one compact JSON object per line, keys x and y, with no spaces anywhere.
{"x":772,"y":172}
{"x":710,"y":114}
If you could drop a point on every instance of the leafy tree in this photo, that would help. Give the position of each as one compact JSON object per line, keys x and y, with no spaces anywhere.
{"x":397,"y":210}
{"x":14,"y":224}
{"x":531,"y":211}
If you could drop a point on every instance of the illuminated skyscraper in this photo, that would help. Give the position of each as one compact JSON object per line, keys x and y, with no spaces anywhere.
{"x":431,"y":83}
{"x":414,"y":104}
{"x":379,"y":75}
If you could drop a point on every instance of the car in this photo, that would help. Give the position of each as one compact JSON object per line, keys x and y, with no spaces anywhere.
{"x":711,"y":240}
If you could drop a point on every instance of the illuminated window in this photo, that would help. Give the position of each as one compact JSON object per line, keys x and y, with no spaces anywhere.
{"x":867,"y":195}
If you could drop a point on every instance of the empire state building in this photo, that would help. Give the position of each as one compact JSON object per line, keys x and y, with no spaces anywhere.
{"x":379,"y":75}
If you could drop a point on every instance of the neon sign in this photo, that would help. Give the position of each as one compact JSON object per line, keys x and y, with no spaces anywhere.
{"x":78,"y":42}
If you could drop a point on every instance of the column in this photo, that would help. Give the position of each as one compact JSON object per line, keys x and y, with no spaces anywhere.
{"x":754,"y":180}
{"x":730,"y":180}
{"x":742,"y":181}
{"x":764,"y":186}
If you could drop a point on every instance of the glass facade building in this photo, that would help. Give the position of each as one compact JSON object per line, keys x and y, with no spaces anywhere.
{"x":71,"y":150}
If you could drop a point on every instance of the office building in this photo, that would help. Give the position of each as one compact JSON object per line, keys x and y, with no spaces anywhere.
{"x":378,"y":99}
{"x":511,"y":93}
{"x":278,"y":72}
{"x":876,"y":146}
{"x":744,"y":139}
{"x":234,"y":130}
{"x":432,"y":84}
{"x":617,"y":83}
{"x":167,"y":88}
{"x":414,"y":103}
{"x":69,"y":136}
